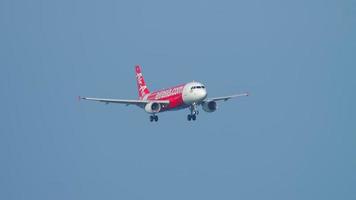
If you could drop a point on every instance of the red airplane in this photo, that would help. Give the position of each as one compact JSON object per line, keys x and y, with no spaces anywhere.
{"x":189,"y":95}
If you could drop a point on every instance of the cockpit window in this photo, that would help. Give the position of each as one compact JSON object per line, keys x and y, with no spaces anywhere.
{"x":197,"y":87}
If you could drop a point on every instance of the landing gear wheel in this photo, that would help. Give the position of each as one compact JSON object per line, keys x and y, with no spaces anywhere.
{"x":193,"y":112}
{"x":192,"y":117}
{"x":153,"y":118}
{"x":189,"y":117}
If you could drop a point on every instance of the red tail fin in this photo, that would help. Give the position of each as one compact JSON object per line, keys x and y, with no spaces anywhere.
{"x":141,"y":85}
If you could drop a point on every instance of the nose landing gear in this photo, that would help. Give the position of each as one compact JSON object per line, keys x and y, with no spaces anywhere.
{"x":193,"y":113}
{"x":192,"y":117}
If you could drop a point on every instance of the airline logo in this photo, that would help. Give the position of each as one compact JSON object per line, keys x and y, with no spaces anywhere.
{"x":141,"y":84}
{"x":142,"y":88}
{"x":169,"y":92}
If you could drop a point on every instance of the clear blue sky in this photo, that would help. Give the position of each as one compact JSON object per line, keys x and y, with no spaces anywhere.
{"x":294,"y":138}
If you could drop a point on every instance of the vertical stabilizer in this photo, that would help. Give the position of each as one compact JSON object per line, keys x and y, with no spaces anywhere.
{"x":141,"y":84}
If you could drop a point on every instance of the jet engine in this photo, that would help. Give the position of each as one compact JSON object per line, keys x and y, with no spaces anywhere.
{"x":153,"y":107}
{"x":210,"y":106}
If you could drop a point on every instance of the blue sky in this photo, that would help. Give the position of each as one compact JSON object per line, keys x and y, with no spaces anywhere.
{"x":293,"y":138}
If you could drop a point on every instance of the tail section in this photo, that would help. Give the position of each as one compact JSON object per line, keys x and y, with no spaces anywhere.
{"x":141,"y":85}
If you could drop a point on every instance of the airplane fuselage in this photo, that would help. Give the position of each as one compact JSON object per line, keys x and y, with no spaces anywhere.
{"x":180,"y":97}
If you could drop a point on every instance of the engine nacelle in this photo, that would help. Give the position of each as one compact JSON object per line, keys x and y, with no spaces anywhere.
{"x":210,"y":106}
{"x":153,"y":107}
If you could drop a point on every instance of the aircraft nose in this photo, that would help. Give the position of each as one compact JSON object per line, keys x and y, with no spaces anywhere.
{"x":203,"y":94}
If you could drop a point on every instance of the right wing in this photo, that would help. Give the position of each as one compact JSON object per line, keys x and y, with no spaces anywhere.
{"x":125,"y":101}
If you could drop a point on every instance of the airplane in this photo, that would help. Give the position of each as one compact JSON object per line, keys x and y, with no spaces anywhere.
{"x":189,"y":95}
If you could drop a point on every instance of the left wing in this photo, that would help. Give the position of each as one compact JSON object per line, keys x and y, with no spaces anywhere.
{"x":125,"y":101}
{"x":225,"y":98}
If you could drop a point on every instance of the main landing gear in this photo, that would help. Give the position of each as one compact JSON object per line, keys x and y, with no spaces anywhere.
{"x":193,"y":113}
{"x":153,"y":118}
